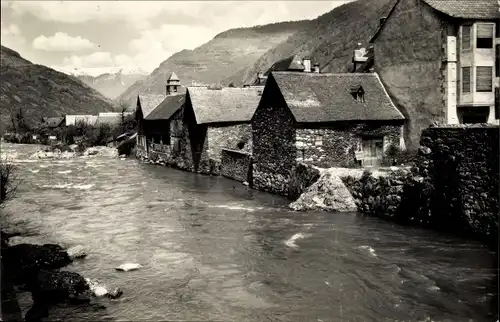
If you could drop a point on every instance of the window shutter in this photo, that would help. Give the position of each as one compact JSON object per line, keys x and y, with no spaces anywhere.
{"x":465,"y":79}
{"x":484,"y":30}
{"x":466,"y":31}
{"x":484,"y":77}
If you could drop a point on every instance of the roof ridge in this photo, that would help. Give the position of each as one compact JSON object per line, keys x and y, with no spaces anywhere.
{"x":322,"y":74}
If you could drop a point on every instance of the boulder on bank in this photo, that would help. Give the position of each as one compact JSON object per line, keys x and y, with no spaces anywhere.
{"x":328,"y":193}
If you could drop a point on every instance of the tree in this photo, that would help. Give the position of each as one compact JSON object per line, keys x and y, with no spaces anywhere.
{"x":22,"y":126}
{"x":231,"y":85}
{"x":7,"y":186}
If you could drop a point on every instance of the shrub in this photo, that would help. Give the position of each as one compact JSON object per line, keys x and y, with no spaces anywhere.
{"x":395,"y":156}
{"x":7,"y":181}
{"x":302,"y":177}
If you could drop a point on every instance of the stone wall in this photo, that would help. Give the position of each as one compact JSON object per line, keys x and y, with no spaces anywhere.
{"x":463,"y":164}
{"x":274,"y":150}
{"x":236,"y":165}
{"x":157,"y":147}
{"x":408,"y":61}
{"x":335,"y":146}
{"x":454,"y":186}
{"x":228,"y":137}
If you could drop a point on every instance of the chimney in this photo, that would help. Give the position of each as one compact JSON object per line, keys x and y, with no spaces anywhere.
{"x":316,"y":68}
{"x":307,"y":64}
{"x":382,"y":21}
{"x":260,"y":75}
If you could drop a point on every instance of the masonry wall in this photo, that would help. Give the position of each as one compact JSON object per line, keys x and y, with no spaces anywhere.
{"x":227,"y":137}
{"x":453,"y":187}
{"x":177,"y":154}
{"x":408,"y":61}
{"x":274,"y":150}
{"x":463,"y":163}
{"x":337,"y":143}
{"x":236,"y":165}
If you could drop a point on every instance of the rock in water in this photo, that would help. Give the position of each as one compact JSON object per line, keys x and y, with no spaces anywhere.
{"x":115,"y":293}
{"x":96,"y":288}
{"x":128,"y":267}
{"x":76,"y":252}
{"x":99,"y":290}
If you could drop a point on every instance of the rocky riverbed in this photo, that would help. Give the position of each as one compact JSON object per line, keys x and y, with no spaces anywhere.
{"x":37,"y":269}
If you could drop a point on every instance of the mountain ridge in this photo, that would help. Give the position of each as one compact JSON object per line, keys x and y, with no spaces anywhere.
{"x":216,"y":60}
{"x":328,"y":39}
{"x":40,"y":91}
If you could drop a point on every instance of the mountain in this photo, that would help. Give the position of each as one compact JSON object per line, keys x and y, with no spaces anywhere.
{"x":41,"y":91}
{"x":218,"y":59}
{"x":111,"y":84}
{"x":329,"y":39}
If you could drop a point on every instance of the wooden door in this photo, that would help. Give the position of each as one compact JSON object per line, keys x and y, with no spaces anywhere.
{"x":373,"y":150}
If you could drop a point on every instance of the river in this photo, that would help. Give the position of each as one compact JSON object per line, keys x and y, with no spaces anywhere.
{"x":214,"y":250}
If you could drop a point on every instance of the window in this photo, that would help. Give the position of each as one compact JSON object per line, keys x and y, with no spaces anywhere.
{"x":472,"y":115}
{"x":176,"y":145}
{"x":484,"y":79}
{"x":358,"y":93}
{"x":484,"y":35}
{"x":465,"y":79}
{"x":466,"y":32}
{"x":318,"y":141}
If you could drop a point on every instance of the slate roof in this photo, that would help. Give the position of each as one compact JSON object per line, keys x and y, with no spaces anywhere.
{"x":228,"y":104}
{"x":73,"y":119}
{"x":290,"y":63}
{"x":467,"y":9}
{"x":149,"y":102}
{"x":462,"y":9}
{"x":314,"y":98}
{"x":110,"y":118}
{"x":173,"y":77}
{"x":52,"y":122}
{"x":167,"y":108}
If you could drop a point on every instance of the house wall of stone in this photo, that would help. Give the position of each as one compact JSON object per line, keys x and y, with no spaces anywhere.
{"x":236,"y":165}
{"x":227,"y":137}
{"x":274,"y":152}
{"x":337,"y":143}
{"x":462,"y":162}
{"x":409,"y":62}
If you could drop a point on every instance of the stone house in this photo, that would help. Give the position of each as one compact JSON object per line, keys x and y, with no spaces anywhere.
{"x":325,"y":120}
{"x":51,"y":126}
{"x":443,"y":66}
{"x":153,"y":112}
{"x":215,"y":119}
{"x":146,"y":103}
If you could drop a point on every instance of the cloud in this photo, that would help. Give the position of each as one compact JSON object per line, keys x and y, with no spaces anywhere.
{"x":97,"y":59}
{"x":62,"y":42}
{"x":11,"y":36}
{"x":217,"y":14}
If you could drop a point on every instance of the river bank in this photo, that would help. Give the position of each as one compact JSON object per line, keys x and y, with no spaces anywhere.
{"x":35,"y":268}
{"x":213,"y":249}
{"x":454,"y":185}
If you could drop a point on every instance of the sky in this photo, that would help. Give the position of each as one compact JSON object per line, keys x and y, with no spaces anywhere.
{"x":100,"y":36}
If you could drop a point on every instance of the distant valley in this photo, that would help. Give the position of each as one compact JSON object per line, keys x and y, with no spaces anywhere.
{"x":40,"y":91}
{"x":111,"y":84}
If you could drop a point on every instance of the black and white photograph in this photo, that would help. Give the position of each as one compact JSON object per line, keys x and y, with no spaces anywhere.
{"x":249,"y":161}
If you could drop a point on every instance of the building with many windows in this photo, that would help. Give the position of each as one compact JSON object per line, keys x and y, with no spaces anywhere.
{"x":438,"y":59}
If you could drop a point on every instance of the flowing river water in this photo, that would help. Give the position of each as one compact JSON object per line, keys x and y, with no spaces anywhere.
{"x":214,"y":250}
